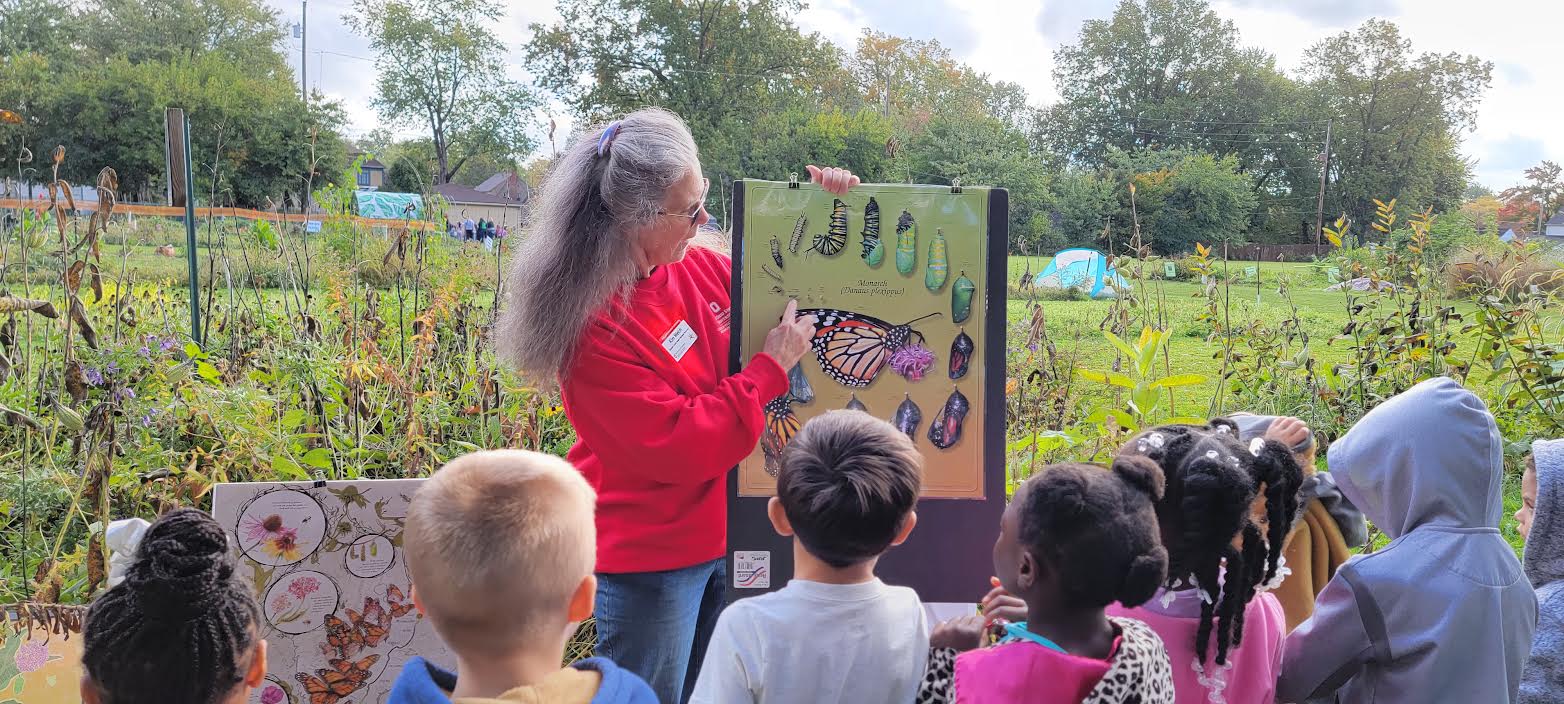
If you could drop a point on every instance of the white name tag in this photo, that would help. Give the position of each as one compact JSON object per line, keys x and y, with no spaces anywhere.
{"x":679,"y":340}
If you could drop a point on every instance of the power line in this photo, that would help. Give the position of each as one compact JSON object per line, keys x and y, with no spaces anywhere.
{"x":1220,"y":122}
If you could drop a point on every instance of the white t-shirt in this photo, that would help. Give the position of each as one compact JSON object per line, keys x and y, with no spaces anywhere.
{"x":811,"y":642}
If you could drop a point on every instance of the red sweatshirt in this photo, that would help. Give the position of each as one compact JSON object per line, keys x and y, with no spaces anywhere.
{"x":660,"y":421}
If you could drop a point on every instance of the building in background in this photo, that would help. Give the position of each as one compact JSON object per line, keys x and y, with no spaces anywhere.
{"x":500,"y":199}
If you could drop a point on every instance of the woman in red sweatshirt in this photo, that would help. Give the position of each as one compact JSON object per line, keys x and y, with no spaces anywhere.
{"x":610,"y":295}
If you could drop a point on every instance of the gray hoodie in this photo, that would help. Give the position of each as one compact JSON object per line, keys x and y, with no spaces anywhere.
{"x":1543,"y":681}
{"x":1443,"y":613}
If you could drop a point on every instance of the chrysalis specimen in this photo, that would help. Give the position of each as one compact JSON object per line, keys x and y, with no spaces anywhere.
{"x":776,"y":251}
{"x":798,"y":384}
{"x":871,"y":230}
{"x":798,"y":234}
{"x":961,"y":298}
{"x":938,"y":267}
{"x":853,"y":404}
{"x":946,"y":428}
{"x":961,"y":350}
{"x":908,"y":417}
{"x":834,"y":238}
{"x":906,"y":243}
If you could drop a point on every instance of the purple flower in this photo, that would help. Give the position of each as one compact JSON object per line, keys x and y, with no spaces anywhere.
{"x":31,"y":655}
{"x":126,"y":393}
{"x":92,"y":376}
{"x":112,"y":369}
{"x":912,"y":361}
{"x":271,"y":695}
{"x":167,"y":344}
{"x":145,"y":351}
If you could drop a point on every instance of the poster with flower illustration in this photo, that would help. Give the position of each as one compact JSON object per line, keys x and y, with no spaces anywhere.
{"x":326,"y":562}
{"x":38,"y":666}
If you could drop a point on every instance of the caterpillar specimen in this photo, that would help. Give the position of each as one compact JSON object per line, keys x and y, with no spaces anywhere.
{"x":834,"y":238}
{"x":872,"y":252}
{"x":776,"y":252}
{"x":798,"y":234}
{"x":906,"y":243}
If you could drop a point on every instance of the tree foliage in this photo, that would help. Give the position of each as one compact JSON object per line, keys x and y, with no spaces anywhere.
{"x":440,"y":68}
{"x":1543,"y":189}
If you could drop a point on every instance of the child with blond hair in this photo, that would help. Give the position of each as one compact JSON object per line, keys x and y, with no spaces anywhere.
{"x":500,"y":548}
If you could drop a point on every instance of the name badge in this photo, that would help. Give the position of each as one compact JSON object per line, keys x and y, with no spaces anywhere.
{"x":679,"y":340}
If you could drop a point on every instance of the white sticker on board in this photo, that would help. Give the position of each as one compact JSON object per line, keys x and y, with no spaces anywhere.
{"x":751,"y":569}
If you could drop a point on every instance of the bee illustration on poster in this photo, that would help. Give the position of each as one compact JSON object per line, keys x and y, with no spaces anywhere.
{"x":918,"y":341}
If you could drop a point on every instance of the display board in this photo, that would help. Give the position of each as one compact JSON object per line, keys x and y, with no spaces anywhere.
{"x":907,"y":284}
{"x":40,"y":657}
{"x":326,"y":562}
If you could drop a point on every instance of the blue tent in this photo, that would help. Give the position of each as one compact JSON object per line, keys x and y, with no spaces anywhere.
{"x":1085,"y":269}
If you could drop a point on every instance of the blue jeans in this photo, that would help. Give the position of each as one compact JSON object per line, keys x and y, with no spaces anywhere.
{"x":657,"y":624}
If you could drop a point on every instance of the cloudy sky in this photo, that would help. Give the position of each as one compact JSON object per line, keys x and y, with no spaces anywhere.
{"x":1013,"y":39}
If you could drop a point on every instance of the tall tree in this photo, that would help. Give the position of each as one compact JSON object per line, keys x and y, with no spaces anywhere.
{"x":1544,"y":186}
{"x":244,"y":32}
{"x":985,"y":150}
{"x":912,"y":80}
{"x":441,"y":68}
{"x":722,"y":66}
{"x":1398,"y":118}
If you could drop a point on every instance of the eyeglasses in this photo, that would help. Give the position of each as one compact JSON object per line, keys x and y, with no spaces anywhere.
{"x":700,"y":205}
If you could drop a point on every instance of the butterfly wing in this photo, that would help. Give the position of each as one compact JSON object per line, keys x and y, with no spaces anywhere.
{"x":343,"y":637}
{"x":397,"y":602}
{"x":851,"y":347}
{"x":374,"y":612}
{"x":318,"y":691}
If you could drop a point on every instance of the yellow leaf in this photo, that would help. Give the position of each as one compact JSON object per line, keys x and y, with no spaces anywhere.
{"x":1380,"y":227}
{"x":1380,"y":203}
{"x":1333,"y":238}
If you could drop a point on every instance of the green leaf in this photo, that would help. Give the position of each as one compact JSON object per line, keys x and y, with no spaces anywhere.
{"x":1145,"y":400}
{"x":318,"y":457}
{"x":1090,"y":375}
{"x":1148,"y":353}
{"x":1121,"y":380}
{"x":208,"y":372}
{"x":192,"y":350}
{"x":294,"y":418}
{"x":288,"y":468}
{"x":1185,"y":420}
{"x":1122,"y":345}
{"x":1178,"y":380}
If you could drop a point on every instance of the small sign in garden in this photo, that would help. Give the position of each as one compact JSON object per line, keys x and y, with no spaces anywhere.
{"x":1169,"y":270}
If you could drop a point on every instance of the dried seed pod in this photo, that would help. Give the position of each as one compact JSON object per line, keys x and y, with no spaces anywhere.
{"x":908,"y":417}
{"x":938,"y":266}
{"x":906,"y":243}
{"x":946,"y":428}
{"x":961,"y":298}
{"x":961,"y":350}
{"x":853,"y":404}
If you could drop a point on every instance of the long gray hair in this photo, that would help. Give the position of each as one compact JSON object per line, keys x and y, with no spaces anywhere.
{"x":579,"y":253}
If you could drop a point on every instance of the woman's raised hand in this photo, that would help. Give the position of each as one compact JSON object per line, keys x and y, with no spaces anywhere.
{"x":789,"y":340}
{"x":832,"y":179}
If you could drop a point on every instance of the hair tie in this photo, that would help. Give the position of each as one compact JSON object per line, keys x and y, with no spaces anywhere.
{"x":607,"y":139}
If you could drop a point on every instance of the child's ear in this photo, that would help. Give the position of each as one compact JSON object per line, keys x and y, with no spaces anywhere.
{"x":907,"y":524}
{"x":778,"y":517}
{"x":584,"y":600}
{"x":257,"y":673}
{"x":412,"y":590}
{"x":1029,"y":572}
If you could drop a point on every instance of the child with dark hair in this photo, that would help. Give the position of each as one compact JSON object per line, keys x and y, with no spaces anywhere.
{"x":846,"y":491}
{"x":1224,"y":518}
{"x":1542,"y":509}
{"x":1074,"y":539}
{"x":1443,"y":613}
{"x":180,"y":629}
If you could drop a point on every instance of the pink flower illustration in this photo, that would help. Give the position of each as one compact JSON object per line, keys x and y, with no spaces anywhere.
{"x":262,"y":529}
{"x":303,"y":586}
{"x":271,"y":695}
{"x":912,"y":361}
{"x":281,"y":603}
{"x":31,"y":656}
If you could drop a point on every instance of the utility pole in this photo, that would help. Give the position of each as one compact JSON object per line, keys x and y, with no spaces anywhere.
{"x":1319,"y":206}
{"x":304,"y":44}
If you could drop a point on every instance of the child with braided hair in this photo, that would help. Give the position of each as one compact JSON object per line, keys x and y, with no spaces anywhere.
{"x":1074,"y":539}
{"x":1224,"y":518}
{"x":179,"y":629}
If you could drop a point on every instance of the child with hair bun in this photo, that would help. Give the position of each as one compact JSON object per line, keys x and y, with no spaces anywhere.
{"x":1224,"y":517}
{"x":1074,"y":539}
{"x":180,"y":629}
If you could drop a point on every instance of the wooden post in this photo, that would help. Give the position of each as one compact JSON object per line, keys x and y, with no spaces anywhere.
{"x":176,"y":126}
{"x":1319,"y":207}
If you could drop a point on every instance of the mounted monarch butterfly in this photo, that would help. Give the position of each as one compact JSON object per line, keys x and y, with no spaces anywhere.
{"x":781,"y":425}
{"x":330,"y":686}
{"x":852,"y":348}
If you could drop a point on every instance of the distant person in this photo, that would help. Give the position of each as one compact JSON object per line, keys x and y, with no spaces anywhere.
{"x":181,"y":628}
{"x":468,"y":228}
{"x":1443,"y":613}
{"x":499,"y":547}
{"x":1541,"y":519}
{"x":1073,"y":540}
{"x":845,"y":494}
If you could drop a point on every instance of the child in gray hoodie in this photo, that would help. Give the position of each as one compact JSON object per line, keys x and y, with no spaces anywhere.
{"x":1443,"y":613}
{"x":1541,"y":519}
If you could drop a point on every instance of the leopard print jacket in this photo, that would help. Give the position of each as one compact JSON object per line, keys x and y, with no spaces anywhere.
{"x":1140,"y":673}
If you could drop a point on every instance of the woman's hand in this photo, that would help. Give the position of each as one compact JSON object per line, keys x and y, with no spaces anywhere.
{"x":832,"y":179}
{"x":1290,"y":432}
{"x":960,"y":634}
{"x":789,"y":340}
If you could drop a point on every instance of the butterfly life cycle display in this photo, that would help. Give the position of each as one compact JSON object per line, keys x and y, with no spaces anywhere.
{"x":907,"y":287}
{"x":325,"y":560}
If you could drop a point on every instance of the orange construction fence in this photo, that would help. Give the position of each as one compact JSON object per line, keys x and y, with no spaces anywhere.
{"x":40,"y":205}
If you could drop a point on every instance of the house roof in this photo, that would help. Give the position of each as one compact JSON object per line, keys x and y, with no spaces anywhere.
{"x":370,"y":163}
{"x":506,"y":184}
{"x":457,"y":193}
{"x":1558,"y":218}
